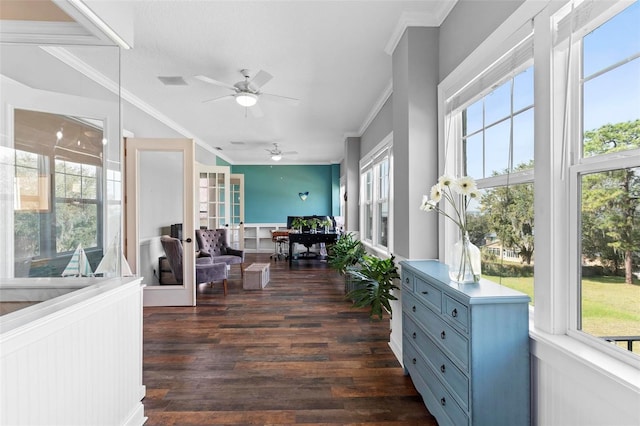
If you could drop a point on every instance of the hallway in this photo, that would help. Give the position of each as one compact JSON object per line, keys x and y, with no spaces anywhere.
{"x":293,"y":353}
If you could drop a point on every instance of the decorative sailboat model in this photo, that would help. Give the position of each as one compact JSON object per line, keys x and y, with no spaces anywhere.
{"x":108,"y":266}
{"x":79,"y":265}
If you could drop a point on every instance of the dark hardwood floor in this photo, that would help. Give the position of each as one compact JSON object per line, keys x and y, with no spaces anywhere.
{"x":292,"y":353}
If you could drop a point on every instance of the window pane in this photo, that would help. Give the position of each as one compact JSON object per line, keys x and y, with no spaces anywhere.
{"x":26,"y":159}
{"x":497,"y":147}
{"x":76,"y":223}
{"x":383,"y":223}
{"x":474,"y":156}
{"x":27,"y":235}
{"x":369,"y":180}
{"x":610,"y":241}
{"x":497,"y":104}
{"x":523,"y":90}
{"x":368,"y":222}
{"x":89,"y":188}
{"x":523,"y":140}
{"x":622,"y":31}
{"x":473,"y":116}
{"x":612,"y":97}
{"x":501,"y":225}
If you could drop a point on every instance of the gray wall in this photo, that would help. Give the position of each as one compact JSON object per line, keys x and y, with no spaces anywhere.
{"x":378,"y":129}
{"x":467,"y":25}
{"x":415,"y":141}
{"x":351,"y":174}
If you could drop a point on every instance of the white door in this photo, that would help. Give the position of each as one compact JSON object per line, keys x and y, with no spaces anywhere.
{"x":213,"y":196}
{"x":160,"y":191}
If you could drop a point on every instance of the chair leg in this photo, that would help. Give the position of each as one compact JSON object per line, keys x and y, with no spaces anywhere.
{"x":242,"y":269}
{"x":224,"y":283}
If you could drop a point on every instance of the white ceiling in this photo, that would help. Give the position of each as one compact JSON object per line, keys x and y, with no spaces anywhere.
{"x":332,"y":55}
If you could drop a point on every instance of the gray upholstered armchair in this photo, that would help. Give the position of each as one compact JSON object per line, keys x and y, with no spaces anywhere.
{"x":206,"y":270}
{"x":213,"y":242}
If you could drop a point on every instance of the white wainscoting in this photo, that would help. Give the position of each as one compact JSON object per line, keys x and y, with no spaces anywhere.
{"x":573,"y":384}
{"x":75,"y":359}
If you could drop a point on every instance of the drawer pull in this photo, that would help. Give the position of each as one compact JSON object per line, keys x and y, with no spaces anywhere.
{"x":414,"y":335}
{"x":413,"y":308}
{"x":406,"y":280}
{"x":443,"y":401}
{"x":425,"y":292}
{"x":454,"y":313}
{"x":442,"y":368}
{"x":443,"y":335}
{"x":413,"y":361}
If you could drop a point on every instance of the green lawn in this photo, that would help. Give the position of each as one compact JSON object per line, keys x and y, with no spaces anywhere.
{"x":609,"y":306}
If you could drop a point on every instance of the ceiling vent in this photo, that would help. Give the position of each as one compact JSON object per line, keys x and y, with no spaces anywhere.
{"x":172,"y":81}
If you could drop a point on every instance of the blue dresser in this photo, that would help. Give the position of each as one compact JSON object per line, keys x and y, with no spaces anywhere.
{"x":466,"y":347}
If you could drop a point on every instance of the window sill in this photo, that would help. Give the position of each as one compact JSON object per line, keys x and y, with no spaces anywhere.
{"x":546,"y":346}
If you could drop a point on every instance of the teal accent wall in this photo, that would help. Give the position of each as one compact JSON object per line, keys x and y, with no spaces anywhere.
{"x":221,"y":162}
{"x":271,"y":192}
{"x":335,"y":189}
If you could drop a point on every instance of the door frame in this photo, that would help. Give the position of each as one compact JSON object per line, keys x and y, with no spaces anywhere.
{"x":165,"y":295}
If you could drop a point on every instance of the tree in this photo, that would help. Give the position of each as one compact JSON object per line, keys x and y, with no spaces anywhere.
{"x":611,"y":200}
{"x":509,"y":212}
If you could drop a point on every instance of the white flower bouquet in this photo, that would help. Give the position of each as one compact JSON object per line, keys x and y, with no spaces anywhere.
{"x":464,"y":262}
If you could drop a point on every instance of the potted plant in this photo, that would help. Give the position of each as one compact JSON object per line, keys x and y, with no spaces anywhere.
{"x":326,"y":223}
{"x":345,"y":253}
{"x":377,"y":278}
{"x":298,"y":223}
{"x":313,"y":223}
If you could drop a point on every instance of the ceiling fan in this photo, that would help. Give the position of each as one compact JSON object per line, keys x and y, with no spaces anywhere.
{"x":248,"y":92}
{"x":276,"y":153}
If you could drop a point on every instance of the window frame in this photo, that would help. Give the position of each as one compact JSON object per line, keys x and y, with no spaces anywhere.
{"x":578,"y":165}
{"x":552,"y":210}
{"x":371,"y":163}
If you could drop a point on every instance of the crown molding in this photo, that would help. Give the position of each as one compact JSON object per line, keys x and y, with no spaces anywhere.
{"x":384,"y":96}
{"x":413,"y":19}
{"x":73,"y":61}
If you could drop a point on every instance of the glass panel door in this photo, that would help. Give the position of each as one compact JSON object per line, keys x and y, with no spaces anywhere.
{"x":160,"y":201}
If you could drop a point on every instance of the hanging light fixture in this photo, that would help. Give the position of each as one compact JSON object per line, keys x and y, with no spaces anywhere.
{"x":246,"y":99}
{"x":276,"y":157}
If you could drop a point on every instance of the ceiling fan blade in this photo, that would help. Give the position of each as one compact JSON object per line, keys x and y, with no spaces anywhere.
{"x":289,"y":152}
{"x":256,"y":111}
{"x":206,"y":79}
{"x":281,"y":99}
{"x":221,"y":98}
{"x":260,"y":80}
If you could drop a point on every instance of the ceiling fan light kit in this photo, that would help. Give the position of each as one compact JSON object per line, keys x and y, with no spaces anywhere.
{"x":276,"y":157}
{"x":247,"y":92}
{"x":246,"y":99}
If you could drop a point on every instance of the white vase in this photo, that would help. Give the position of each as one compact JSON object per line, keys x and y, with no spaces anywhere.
{"x":464,"y":261}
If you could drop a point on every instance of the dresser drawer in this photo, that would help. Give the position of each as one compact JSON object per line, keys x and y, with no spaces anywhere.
{"x":407,"y":281}
{"x":416,"y":365}
{"x":456,"y":312}
{"x":441,"y":365}
{"x":431,"y":295}
{"x":453,"y":343}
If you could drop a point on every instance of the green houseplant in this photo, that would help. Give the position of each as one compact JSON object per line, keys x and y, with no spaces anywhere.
{"x":298,"y":223}
{"x":346,"y":253}
{"x":377,"y":278}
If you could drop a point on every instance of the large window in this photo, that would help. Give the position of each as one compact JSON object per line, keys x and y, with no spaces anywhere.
{"x":604,"y":87}
{"x":497,"y":151}
{"x":375,"y":199}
